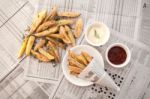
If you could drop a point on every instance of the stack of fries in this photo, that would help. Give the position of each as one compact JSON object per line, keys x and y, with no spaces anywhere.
{"x":49,"y":32}
{"x":77,"y":63}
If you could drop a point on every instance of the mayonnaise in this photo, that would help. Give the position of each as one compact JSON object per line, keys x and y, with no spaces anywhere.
{"x":96,"y":34}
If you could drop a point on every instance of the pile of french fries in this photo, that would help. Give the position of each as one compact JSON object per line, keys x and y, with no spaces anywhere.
{"x":77,"y":63}
{"x":49,"y":32}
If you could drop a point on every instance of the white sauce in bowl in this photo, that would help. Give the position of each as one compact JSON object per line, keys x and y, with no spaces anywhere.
{"x":97,"y":34}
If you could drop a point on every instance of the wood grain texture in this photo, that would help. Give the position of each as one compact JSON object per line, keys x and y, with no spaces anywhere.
{"x":12,"y":30}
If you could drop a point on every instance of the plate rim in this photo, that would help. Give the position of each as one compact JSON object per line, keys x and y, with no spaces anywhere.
{"x":65,"y":56}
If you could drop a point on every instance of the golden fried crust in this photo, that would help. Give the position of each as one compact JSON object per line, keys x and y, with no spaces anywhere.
{"x":69,"y":14}
{"x":30,"y":45}
{"x":78,"y":28}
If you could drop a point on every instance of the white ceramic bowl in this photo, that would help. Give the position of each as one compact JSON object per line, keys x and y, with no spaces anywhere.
{"x":127,"y":52}
{"x":77,"y":49}
{"x":107,"y":33}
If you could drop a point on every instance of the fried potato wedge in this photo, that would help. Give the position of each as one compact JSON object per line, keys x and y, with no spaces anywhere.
{"x":78,"y":28}
{"x":75,"y":69}
{"x":37,"y":21}
{"x":76,"y":63}
{"x":39,"y":56}
{"x":46,"y":25}
{"x":74,"y":73}
{"x":69,"y":14}
{"x":39,"y":44}
{"x":64,"y":35}
{"x":57,"y":43}
{"x":65,"y":22}
{"x":50,"y":51}
{"x":70,"y":34}
{"x":23,"y":47}
{"x":30,"y":45}
{"x":82,"y":59}
{"x":51,"y":31}
{"x":52,"y":14}
{"x":57,"y":36}
{"x":72,"y":54}
{"x":47,"y":32}
{"x":46,"y":54}
{"x":87,"y":56}
{"x":55,"y":51}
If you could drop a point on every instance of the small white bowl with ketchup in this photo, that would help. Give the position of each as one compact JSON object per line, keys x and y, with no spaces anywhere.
{"x":118,"y":55}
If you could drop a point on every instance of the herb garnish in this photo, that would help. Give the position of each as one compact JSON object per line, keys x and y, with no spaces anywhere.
{"x":95,"y":33}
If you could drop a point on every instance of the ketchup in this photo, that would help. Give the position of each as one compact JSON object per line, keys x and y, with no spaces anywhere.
{"x":117,"y":55}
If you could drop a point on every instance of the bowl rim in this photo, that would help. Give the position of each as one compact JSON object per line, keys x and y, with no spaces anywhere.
{"x":64,"y":68}
{"x":125,"y":47}
{"x":97,"y":23}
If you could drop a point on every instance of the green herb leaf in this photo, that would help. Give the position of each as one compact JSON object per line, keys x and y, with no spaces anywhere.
{"x":96,"y":35}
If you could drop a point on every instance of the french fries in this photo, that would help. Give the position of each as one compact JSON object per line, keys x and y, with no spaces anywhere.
{"x":55,"y":51}
{"x":57,"y":43}
{"x":46,"y":54}
{"x":50,"y":51}
{"x":65,"y":37}
{"x":69,"y":14}
{"x":23,"y":47}
{"x":82,"y":59}
{"x":71,"y":36}
{"x":52,"y":14}
{"x":72,"y":54}
{"x":37,"y":21}
{"x":40,"y":44}
{"x":75,"y":69}
{"x":47,"y":32}
{"x":78,"y":28}
{"x":87,"y":56}
{"x":65,"y":22}
{"x":57,"y":36}
{"x":74,"y":73}
{"x":77,"y":63}
{"x":30,"y":45}
{"x":51,"y":31}
{"x":46,"y":25}
{"x":40,"y":56}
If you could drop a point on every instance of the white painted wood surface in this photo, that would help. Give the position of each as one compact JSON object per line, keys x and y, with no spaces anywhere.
{"x":119,"y":15}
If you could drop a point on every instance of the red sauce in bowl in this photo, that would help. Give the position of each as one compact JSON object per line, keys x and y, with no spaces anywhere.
{"x":117,"y":55}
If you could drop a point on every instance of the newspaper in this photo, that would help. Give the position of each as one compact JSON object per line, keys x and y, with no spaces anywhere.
{"x":15,"y":16}
{"x":125,"y":20}
{"x":122,"y":19}
{"x":46,"y":72}
{"x":15,"y":87}
{"x":144,"y":33}
{"x":140,"y":58}
{"x":12,"y":30}
{"x":119,"y":15}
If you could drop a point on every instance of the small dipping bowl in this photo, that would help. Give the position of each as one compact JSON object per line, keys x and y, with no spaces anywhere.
{"x":118,"y":55}
{"x":98,"y":30}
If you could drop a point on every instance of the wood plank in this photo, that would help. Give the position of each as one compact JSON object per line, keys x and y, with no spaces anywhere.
{"x":12,"y":31}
